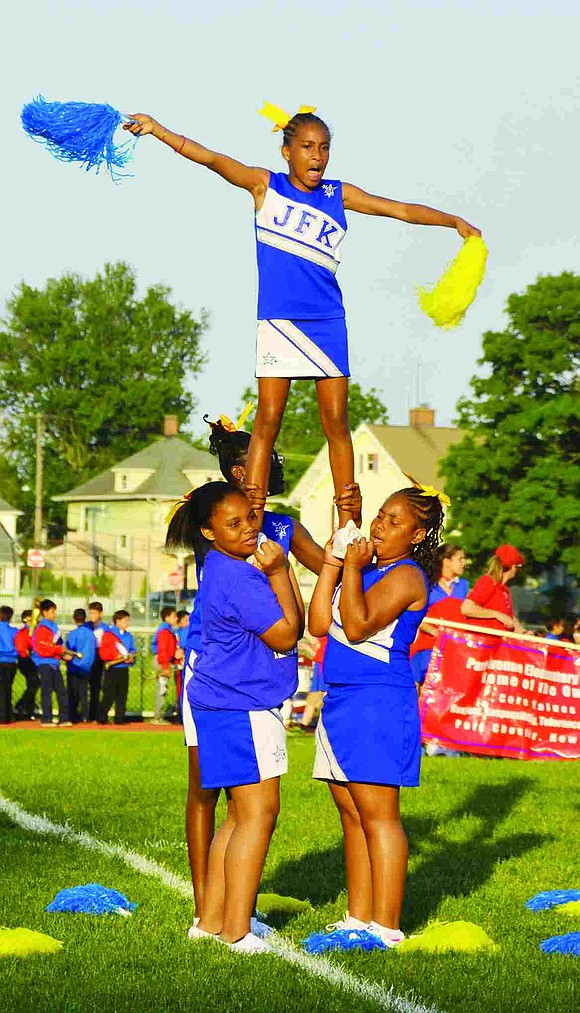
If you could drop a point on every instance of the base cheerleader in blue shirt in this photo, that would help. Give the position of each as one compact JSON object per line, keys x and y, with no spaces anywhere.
{"x":252,"y":618}
{"x":368,"y":740}
{"x":300,"y":226}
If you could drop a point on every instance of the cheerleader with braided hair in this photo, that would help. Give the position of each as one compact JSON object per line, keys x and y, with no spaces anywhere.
{"x":368,"y":740}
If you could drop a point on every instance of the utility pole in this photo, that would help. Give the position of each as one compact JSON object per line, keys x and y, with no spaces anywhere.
{"x":38,"y":498}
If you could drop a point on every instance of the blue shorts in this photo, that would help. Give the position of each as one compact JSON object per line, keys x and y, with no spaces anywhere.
{"x":239,"y":747}
{"x":370,"y":735}
{"x":317,"y":684}
{"x":302,"y":349}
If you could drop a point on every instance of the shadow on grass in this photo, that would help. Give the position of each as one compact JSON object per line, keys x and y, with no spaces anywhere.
{"x":445,"y":868}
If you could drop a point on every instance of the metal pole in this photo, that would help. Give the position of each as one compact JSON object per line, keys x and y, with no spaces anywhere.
{"x":38,"y":499}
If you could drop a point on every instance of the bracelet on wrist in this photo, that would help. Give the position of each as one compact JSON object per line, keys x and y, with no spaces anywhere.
{"x":182,"y":145}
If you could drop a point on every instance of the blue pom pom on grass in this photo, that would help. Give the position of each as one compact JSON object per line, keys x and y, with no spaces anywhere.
{"x":568,"y":944}
{"x":342,"y":940}
{"x":551,"y":898}
{"x":80,"y":132}
{"x":91,"y":899}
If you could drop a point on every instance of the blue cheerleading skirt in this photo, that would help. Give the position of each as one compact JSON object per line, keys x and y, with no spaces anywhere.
{"x":239,"y":747}
{"x":302,"y":349}
{"x":370,"y":735}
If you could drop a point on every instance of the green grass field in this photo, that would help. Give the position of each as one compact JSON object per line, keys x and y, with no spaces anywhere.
{"x":485,"y":835}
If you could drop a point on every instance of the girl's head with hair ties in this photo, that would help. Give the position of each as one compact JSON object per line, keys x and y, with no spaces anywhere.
{"x":306,"y":148}
{"x":216,"y":515}
{"x":409,"y":524}
{"x":231,"y":449}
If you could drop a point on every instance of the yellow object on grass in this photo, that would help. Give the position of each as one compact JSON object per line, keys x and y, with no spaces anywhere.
{"x":455,"y":291}
{"x":572,"y":908}
{"x":440,"y":937}
{"x":274,"y":903}
{"x":26,"y":943}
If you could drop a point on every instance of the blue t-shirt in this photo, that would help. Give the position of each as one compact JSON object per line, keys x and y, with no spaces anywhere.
{"x":298,"y":239}
{"x":236,"y":670}
{"x":278,"y":528}
{"x":383,"y":659}
{"x":83,"y":640}
{"x":182,"y":633}
{"x":8,"y":652}
{"x":459,"y":590}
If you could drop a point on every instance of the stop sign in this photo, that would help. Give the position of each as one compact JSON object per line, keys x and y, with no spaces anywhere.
{"x":176,"y":579}
{"x":36,"y":558}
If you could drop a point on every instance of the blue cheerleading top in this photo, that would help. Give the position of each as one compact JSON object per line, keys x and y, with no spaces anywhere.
{"x":383,"y":659}
{"x":298,"y":237}
{"x":278,"y":528}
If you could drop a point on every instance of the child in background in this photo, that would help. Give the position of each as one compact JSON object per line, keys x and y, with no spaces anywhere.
{"x":368,"y":739}
{"x":317,"y":690}
{"x":166,"y":652}
{"x":182,"y":632}
{"x":117,"y":651}
{"x":8,"y":661}
{"x":81,"y":641}
{"x":252,"y":618}
{"x":47,"y":654}
{"x":98,"y":626}
{"x":23,"y":644}
{"x":555,"y":629}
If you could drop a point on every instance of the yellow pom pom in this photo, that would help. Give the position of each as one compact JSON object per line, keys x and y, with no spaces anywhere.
{"x":572,"y":908}
{"x":439,"y":937}
{"x":26,"y":942}
{"x":455,"y":291}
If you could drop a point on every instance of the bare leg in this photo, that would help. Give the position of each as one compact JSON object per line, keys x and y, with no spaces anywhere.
{"x":332,"y":396}
{"x":212,"y":918}
{"x":257,"y":808}
{"x":356,"y":856}
{"x":199,"y":827}
{"x":272,"y":397}
{"x":313,"y":703}
{"x":378,"y":808}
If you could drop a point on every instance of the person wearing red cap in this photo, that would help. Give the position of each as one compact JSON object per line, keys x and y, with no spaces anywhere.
{"x":489,"y":601}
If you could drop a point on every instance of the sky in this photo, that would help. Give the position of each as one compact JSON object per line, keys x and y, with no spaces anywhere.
{"x":470,"y":107}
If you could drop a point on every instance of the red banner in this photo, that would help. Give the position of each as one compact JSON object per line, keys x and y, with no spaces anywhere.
{"x":494,"y":695}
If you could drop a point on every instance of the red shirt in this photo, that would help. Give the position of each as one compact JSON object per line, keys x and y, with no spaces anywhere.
{"x":23,"y":642}
{"x":319,"y":656}
{"x":166,"y":648}
{"x":111,"y":648}
{"x":43,"y":643}
{"x":489,"y":595}
{"x":447,"y":608}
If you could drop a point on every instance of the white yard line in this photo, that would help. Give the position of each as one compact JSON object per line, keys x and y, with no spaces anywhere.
{"x":318,"y":966}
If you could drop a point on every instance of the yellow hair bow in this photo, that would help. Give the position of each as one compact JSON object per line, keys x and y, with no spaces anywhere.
{"x":279,"y":117}
{"x":429,"y":490}
{"x":180,"y":502}
{"x":234,"y":427}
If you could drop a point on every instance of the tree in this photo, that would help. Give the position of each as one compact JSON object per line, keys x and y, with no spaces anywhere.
{"x":301,"y":435}
{"x":101,"y":365}
{"x":515,"y":475}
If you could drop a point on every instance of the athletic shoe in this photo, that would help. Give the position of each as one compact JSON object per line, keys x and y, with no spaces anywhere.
{"x":47,"y":724}
{"x":344,"y":537}
{"x":260,"y":929}
{"x":348,"y":923}
{"x":250,"y":943}
{"x":195,"y":933}
{"x":390,"y":937}
{"x":65,"y":724}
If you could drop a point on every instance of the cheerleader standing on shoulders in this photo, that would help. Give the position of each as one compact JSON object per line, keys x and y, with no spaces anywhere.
{"x":300,"y":225}
{"x":368,"y":740}
{"x":252,"y":618}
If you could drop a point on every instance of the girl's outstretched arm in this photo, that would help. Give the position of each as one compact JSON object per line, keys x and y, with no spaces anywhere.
{"x":250,"y":178}
{"x":365,"y":203}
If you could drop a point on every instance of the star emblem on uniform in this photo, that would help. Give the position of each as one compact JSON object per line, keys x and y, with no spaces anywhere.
{"x":280,"y":529}
{"x":329,"y":189}
{"x":269,"y":360}
{"x":279,"y":754}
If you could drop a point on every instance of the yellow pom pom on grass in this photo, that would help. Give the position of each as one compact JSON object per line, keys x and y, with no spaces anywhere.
{"x":440,"y":937}
{"x":274,"y":903}
{"x":447,"y":303}
{"x":26,"y":943}
{"x":572,"y":908}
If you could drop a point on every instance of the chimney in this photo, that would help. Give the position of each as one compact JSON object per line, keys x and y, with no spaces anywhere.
{"x":170,"y":425}
{"x":422,"y":416}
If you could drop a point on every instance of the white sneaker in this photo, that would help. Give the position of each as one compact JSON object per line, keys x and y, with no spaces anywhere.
{"x":251,"y":944}
{"x":195,"y":933}
{"x":260,"y":929}
{"x":348,"y":923}
{"x":390,"y":937}
{"x":344,"y":537}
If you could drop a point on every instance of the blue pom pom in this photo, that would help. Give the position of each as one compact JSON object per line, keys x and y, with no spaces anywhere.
{"x":78,"y":132}
{"x":569,"y":944}
{"x":342,"y":940}
{"x":551,"y":898}
{"x":91,"y":899}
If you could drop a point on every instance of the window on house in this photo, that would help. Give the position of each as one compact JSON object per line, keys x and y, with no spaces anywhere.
{"x":361,"y":463}
{"x":3,"y":576}
{"x":122,"y":541}
{"x":372,"y":462}
{"x":123,"y":482}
